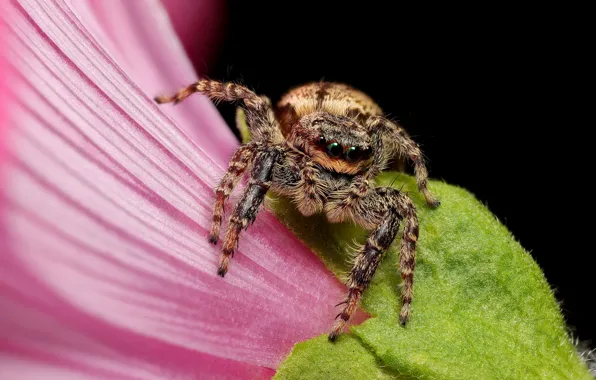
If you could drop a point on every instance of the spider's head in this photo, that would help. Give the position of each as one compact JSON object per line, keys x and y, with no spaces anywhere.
{"x":337,"y":143}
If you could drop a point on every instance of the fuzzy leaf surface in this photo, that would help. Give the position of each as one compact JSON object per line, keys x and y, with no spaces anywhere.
{"x":482,"y":308}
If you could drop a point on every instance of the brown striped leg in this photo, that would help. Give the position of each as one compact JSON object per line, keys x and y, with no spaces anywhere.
{"x":407,"y":252}
{"x":367,"y":261}
{"x":406,"y":145}
{"x":259,"y":113}
{"x":238,"y":164}
{"x":217,"y":91}
{"x":248,"y":206}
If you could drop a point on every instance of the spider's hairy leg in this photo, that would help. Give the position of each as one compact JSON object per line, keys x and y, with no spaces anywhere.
{"x":259,"y":112}
{"x":240,"y":160}
{"x":365,"y":265}
{"x":215,"y":90}
{"x":381,"y":211}
{"x":248,"y":206}
{"x":407,"y":252}
{"x":410,"y":148}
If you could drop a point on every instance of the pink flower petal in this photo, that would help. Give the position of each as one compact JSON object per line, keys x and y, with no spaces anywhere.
{"x":139,"y":37}
{"x":105,"y":268}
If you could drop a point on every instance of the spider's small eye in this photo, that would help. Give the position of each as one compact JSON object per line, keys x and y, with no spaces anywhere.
{"x":353,"y":153}
{"x":321,"y":141}
{"x":366,"y":152}
{"x":334,"y":149}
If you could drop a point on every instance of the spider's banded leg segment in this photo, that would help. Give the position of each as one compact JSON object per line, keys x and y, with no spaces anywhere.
{"x":248,"y":206}
{"x":407,"y":252}
{"x":367,"y":261}
{"x":216,"y":90}
{"x":411,"y":150}
{"x":259,"y":113}
{"x":238,"y":164}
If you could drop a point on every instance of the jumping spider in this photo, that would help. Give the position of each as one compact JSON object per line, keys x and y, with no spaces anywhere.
{"x":322,"y":146}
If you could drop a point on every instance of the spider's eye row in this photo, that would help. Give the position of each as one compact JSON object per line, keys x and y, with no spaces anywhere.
{"x":334,"y":149}
{"x":352,"y":154}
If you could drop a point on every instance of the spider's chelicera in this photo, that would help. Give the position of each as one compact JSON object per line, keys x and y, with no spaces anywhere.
{"x":322,"y":146}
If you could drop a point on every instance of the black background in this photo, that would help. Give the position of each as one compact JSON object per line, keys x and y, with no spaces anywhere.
{"x":493,"y":96}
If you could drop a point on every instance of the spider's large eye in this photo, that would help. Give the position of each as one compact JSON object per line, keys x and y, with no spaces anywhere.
{"x":334,"y":149}
{"x":353,"y":153}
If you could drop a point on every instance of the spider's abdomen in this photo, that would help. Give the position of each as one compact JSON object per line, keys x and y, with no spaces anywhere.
{"x":335,"y":98}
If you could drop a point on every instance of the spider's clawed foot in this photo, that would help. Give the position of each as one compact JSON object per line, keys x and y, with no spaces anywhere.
{"x":333,"y":336}
{"x":431,"y":201}
{"x":346,"y":314}
{"x":434,"y":203}
{"x":166,"y":99}
{"x":179,"y":96}
{"x":404,"y":315}
{"x":338,"y":327}
{"x":224,"y":261}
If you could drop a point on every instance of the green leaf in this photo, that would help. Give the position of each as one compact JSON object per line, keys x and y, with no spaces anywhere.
{"x":482,"y":308}
{"x":352,"y":361}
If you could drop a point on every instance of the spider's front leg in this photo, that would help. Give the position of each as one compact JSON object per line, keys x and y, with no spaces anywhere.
{"x":385,"y":207}
{"x":245,"y":211}
{"x":259,"y":113}
{"x":408,"y":147}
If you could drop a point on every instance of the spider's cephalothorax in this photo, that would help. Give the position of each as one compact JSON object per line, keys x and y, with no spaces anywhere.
{"x":322,"y":146}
